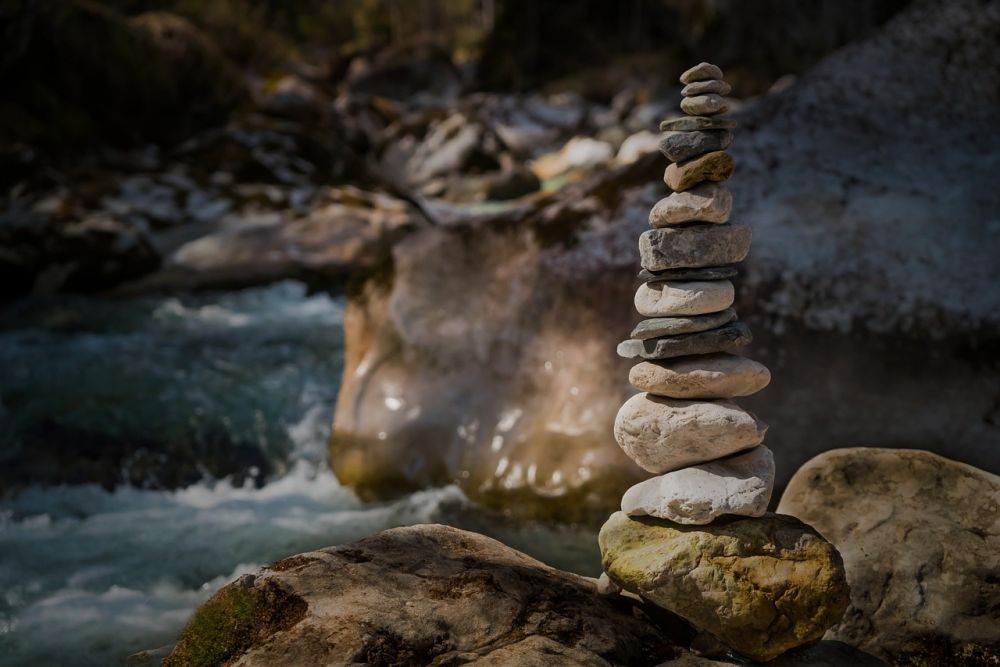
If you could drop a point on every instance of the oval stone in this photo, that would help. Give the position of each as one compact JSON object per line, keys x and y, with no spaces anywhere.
{"x":717,"y":86}
{"x":683,"y":298}
{"x":674,"y":326}
{"x":664,"y":434}
{"x":707,"y":376}
{"x":714,"y":166}
{"x":740,"y":484}
{"x":678,"y":146}
{"x":704,"y":105}
{"x":694,"y":246}
{"x":722,"y":339}
{"x":701,"y":72}
{"x":707,"y":202}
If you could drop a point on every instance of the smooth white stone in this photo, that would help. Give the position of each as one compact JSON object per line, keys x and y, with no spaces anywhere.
{"x":670,"y":299}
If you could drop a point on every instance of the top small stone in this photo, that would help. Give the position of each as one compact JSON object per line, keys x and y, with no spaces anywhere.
{"x":701,"y":72}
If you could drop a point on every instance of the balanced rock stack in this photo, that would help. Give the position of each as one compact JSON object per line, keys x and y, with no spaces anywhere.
{"x":697,"y":539}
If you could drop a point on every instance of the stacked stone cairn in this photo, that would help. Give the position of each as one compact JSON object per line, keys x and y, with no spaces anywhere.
{"x":697,"y":538}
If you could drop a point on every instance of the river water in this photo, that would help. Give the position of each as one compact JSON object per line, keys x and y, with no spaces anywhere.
{"x":156,"y":448}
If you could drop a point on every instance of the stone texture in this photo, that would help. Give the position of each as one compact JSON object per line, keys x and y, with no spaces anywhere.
{"x":920,"y":537}
{"x":714,"y":166}
{"x":761,"y":585}
{"x":674,"y":326}
{"x":707,"y":202}
{"x":723,"y":339}
{"x":694,"y":246}
{"x":693,"y":123}
{"x":701,"y":72}
{"x":669,"y":299}
{"x":707,"y":273}
{"x":678,"y":146}
{"x":664,"y":434}
{"x":417,"y":596}
{"x":704,"y":105}
{"x":698,"y":495}
{"x":717,"y":86}
{"x":607,"y":587}
{"x":706,"y":376}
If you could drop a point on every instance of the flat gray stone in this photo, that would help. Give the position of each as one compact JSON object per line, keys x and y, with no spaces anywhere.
{"x":702,"y":72}
{"x":695,"y":246}
{"x":723,"y":339}
{"x":694,"y":123}
{"x":717,"y":86}
{"x":676,"y":326}
{"x":704,"y":105}
{"x":678,"y":146}
{"x":707,"y":273}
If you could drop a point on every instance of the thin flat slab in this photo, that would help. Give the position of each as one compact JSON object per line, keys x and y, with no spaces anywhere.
{"x":707,"y":273}
{"x":675,"y":326}
{"x":692,"y":123}
{"x":723,"y":339}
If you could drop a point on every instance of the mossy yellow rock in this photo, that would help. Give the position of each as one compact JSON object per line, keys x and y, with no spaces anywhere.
{"x":761,"y":585}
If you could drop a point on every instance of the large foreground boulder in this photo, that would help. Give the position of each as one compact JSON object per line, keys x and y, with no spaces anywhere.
{"x":920,"y":537}
{"x":483,"y":353}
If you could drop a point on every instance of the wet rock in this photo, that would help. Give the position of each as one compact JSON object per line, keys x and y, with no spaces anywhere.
{"x":694,"y":247}
{"x":714,"y":166}
{"x":672,"y":326}
{"x":920,"y":537}
{"x":678,"y":146}
{"x":670,"y":299}
{"x":701,"y":72}
{"x":422,"y":595}
{"x":707,"y":376}
{"x":704,"y":105}
{"x":723,"y":339}
{"x":760,"y":585}
{"x":708,"y":202}
{"x":693,"y":123}
{"x":663,"y":434}
{"x":740,"y":484}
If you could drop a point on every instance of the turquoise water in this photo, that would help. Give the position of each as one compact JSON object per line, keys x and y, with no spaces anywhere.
{"x":89,"y":575}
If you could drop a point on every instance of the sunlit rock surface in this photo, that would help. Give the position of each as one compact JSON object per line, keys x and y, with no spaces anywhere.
{"x":483,"y":352}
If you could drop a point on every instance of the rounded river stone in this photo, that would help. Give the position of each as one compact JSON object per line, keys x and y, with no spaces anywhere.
{"x":714,"y":166}
{"x":664,"y":434}
{"x":694,"y":246}
{"x":723,"y":339}
{"x":674,"y":326}
{"x":706,"y":202}
{"x":704,"y":105}
{"x":701,"y":72}
{"x":740,"y":484}
{"x":704,"y":376}
{"x":678,"y":146}
{"x":717,"y":86}
{"x":670,"y":299}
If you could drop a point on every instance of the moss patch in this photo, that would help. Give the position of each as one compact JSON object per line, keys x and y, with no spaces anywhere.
{"x":233,"y":620}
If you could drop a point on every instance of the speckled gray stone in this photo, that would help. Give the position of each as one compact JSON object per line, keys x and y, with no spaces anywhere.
{"x":694,"y":246}
{"x":723,"y":339}
{"x":675,"y":326}
{"x":677,"y":146}
{"x":692,"y":123}
{"x":707,"y":273}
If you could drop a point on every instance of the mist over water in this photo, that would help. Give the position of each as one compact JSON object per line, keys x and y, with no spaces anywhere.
{"x":88,"y":574}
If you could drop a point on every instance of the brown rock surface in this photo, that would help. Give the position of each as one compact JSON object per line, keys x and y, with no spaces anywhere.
{"x":920,"y":537}
{"x":714,"y":166}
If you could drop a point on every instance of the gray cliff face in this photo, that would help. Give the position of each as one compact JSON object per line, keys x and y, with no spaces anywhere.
{"x":483,"y":353}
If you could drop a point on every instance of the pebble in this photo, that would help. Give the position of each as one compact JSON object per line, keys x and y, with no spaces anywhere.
{"x":706,"y":202}
{"x":704,"y":105}
{"x":714,"y":166}
{"x":706,"y":376}
{"x":693,"y":123}
{"x":664,"y":434}
{"x":607,"y":587}
{"x":670,"y":299}
{"x":740,"y":484}
{"x":701,"y":72}
{"x":694,"y":246}
{"x":674,"y":326}
{"x":717,"y":86}
{"x":707,"y":273}
{"x":678,"y":146}
{"x":722,"y":339}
